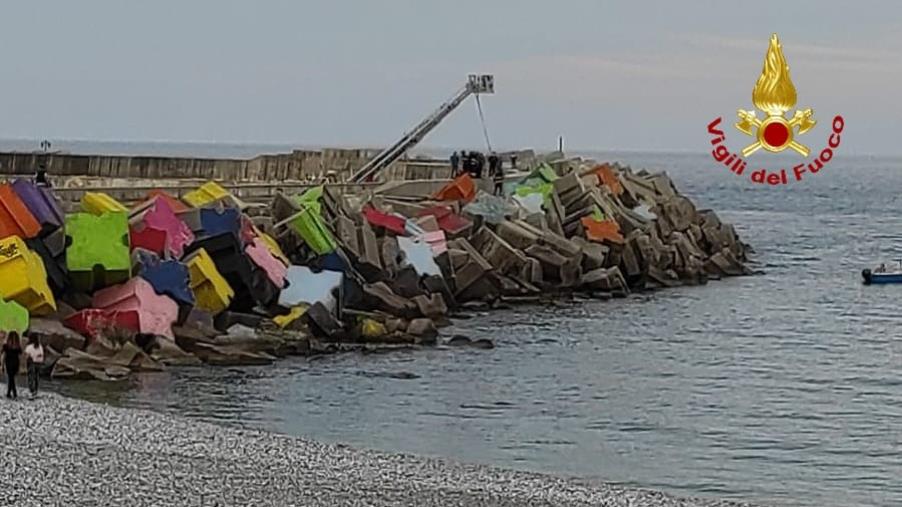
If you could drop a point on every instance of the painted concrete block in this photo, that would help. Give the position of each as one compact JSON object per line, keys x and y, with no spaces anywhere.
{"x":156,"y":313}
{"x":23,"y":278}
{"x":98,"y":251}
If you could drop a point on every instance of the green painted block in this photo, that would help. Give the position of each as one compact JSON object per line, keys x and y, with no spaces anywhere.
{"x":539,"y":181}
{"x":310,"y":225}
{"x":98,"y":249}
{"x":544,"y":173}
{"x":311,"y":197}
{"x":536,"y":186}
{"x":313,"y":229}
{"x":13,"y":317}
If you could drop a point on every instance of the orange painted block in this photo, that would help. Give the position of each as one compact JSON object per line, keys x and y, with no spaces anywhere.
{"x":602,"y":230}
{"x":607,"y":177}
{"x":15,"y":218}
{"x":462,"y":188}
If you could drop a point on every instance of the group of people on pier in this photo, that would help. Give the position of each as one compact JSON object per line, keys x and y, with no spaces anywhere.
{"x":474,"y":163}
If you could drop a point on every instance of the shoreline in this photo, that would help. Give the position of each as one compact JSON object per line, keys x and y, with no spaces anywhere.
{"x":66,"y":451}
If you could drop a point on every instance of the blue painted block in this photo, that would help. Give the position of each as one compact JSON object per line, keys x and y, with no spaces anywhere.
{"x":170,"y":278}
{"x":215,"y":222}
{"x":333,"y":262}
{"x":142,"y":257}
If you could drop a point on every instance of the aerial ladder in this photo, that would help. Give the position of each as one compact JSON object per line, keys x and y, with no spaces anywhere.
{"x":476,"y":84}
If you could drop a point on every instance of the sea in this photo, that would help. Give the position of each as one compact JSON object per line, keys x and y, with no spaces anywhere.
{"x":783,"y":388}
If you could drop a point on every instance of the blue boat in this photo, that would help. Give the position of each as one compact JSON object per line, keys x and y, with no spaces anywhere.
{"x":880,"y":275}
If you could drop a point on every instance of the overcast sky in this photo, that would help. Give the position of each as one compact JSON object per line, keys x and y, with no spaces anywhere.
{"x":626,"y":75}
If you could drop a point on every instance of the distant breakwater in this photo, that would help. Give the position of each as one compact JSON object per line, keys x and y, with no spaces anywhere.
{"x":298,"y":165}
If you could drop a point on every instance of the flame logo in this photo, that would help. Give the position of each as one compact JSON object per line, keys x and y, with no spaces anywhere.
{"x":774,"y":92}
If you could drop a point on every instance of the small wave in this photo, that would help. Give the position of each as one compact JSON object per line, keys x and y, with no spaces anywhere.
{"x":401,"y":375}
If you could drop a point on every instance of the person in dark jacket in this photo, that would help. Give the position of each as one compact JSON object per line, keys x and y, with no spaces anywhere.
{"x":455,"y":164}
{"x":11,"y":352}
{"x":40,"y":177}
{"x":497,"y":174}
{"x":480,"y":164}
{"x":494,"y":162}
{"x":470,"y":164}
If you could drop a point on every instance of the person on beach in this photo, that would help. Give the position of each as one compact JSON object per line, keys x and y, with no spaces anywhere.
{"x":11,"y":351}
{"x":34,"y":359}
{"x":455,"y":164}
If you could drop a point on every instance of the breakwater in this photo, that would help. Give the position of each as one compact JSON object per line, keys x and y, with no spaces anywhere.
{"x":171,"y":281}
{"x":298,"y":165}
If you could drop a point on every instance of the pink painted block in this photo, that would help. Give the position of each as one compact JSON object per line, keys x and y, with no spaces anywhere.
{"x":156,"y":313}
{"x":262,"y":257}
{"x":247,"y":231}
{"x":161,"y":217}
{"x":436,"y":240}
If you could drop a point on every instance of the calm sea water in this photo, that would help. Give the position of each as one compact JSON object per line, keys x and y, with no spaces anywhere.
{"x":783,"y":388}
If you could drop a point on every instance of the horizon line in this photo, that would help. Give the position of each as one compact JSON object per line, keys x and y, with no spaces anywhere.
{"x":657,"y":151}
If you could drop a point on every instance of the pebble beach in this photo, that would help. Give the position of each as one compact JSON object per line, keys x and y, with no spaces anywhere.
{"x":63,"y":451}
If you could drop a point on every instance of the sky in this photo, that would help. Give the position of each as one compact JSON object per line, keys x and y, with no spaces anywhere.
{"x":604,"y":75}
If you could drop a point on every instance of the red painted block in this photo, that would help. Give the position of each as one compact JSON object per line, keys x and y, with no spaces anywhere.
{"x":94,"y":322}
{"x":154,"y":240}
{"x":161,"y":217}
{"x":392,"y":223}
{"x":448,"y":221}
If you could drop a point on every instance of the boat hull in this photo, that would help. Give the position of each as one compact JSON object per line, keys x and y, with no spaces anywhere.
{"x":880,"y":278}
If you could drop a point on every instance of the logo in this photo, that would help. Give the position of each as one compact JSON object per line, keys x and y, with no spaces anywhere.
{"x":774,"y":95}
{"x":10,"y":250}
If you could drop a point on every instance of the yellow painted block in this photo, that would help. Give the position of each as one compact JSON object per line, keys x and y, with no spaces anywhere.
{"x":284,"y":320}
{"x":373,"y":329}
{"x":98,"y":203}
{"x":211,"y":291}
{"x":23,"y":278}
{"x":205,"y":194}
{"x":273,"y":246}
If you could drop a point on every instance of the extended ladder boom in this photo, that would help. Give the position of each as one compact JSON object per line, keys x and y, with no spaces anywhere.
{"x":475,"y":84}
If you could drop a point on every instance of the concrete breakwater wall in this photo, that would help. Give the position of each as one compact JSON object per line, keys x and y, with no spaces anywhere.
{"x":299,"y":165}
